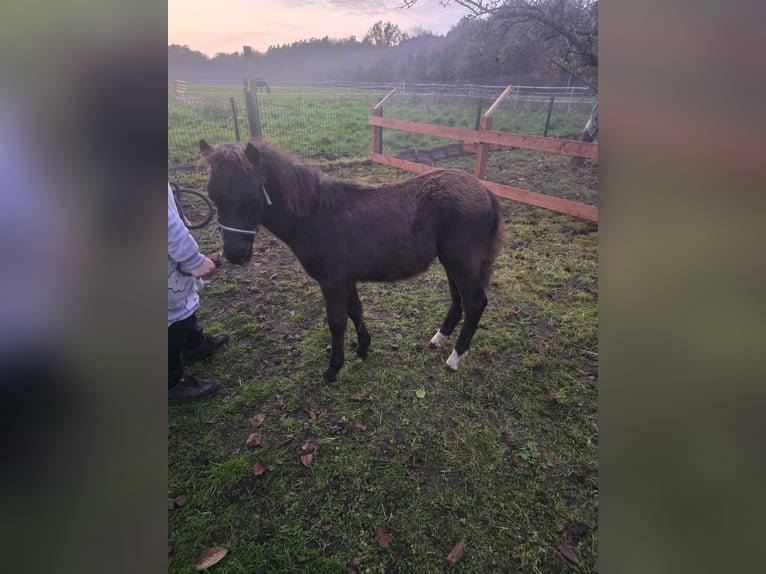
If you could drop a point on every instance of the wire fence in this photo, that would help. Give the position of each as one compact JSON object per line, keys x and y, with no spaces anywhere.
{"x":329,"y":123}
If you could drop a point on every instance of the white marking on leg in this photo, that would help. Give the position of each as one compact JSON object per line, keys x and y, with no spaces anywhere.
{"x":437,"y":339}
{"x":454,"y":359}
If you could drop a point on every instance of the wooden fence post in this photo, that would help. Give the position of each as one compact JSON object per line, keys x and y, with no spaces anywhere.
{"x":251,"y":100}
{"x":377,"y":131}
{"x":482,"y":150}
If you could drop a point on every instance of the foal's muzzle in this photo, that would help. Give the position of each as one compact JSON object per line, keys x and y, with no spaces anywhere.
{"x":239,"y":248}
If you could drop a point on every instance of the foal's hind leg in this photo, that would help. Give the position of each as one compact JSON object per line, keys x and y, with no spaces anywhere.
{"x":453,"y":317}
{"x":466,"y":287}
{"x":354,"y":310}
{"x":474,"y":302}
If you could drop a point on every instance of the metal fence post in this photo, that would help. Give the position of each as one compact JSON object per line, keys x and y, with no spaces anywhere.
{"x":548,"y":118}
{"x":234,"y":115}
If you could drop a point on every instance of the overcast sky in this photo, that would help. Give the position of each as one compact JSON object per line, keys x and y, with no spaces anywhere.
{"x":212,"y":26}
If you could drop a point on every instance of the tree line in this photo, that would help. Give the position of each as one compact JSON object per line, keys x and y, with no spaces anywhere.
{"x":536,"y":42}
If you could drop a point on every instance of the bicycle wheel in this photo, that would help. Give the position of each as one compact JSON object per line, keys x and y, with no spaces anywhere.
{"x":196,"y":207}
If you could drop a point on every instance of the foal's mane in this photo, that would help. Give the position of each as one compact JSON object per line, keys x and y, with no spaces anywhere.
{"x":300,"y":186}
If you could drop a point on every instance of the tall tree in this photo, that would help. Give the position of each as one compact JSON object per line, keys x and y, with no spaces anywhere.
{"x":572,"y":24}
{"x":385,"y":34}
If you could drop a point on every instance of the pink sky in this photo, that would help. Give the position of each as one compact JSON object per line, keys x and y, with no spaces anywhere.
{"x":213,"y":26}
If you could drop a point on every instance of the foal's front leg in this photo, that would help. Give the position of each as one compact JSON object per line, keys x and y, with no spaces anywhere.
{"x":354,"y":310}
{"x":335,"y":299}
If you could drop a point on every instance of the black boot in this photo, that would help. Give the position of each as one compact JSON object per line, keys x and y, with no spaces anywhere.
{"x":206,"y":347}
{"x":191,"y":388}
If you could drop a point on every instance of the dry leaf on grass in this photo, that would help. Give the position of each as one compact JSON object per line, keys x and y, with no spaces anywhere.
{"x":306,"y":459}
{"x":382,"y":538}
{"x":358,"y":560}
{"x":279,"y":402}
{"x":211,"y":421}
{"x":254,"y":439}
{"x":180,"y":500}
{"x":456,"y":553}
{"x":541,"y":348}
{"x":358,"y":427}
{"x":211,"y":557}
{"x":259,"y":467}
{"x":257,"y":420}
{"x":566,"y":552}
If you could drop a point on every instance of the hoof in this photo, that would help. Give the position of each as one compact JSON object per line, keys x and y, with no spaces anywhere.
{"x":361,"y":353}
{"x":437,"y":339}
{"x":454,"y":360}
{"x":328,"y":378}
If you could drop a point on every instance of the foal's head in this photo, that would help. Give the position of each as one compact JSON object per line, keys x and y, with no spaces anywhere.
{"x":236,"y":186}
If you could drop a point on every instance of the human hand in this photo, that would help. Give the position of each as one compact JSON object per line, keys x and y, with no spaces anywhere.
{"x":206,"y":268}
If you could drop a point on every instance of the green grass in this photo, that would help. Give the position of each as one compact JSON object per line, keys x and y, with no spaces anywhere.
{"x":447,"y":471}
{"x":328,"y":126}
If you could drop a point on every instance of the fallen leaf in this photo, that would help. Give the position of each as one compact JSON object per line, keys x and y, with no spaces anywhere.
{"x":211,"y":421}
{"x":181,"y":500}
{"x":257,"y":420}
{"x":171,"y":503}
{"x":399,"y":436}
{"x":518,"y":463}
{"x":595,"y":426}
{"x":541,"y":348}
{"x":416,"y":461}
{"x":254,"y":439}
{"x":211,"y":557}
{"x":552,"y":323}
{"x":309,"y":446}
{"x":420,"y":393}
{"x":351,"y":570}
{"x":288,"y":438}
{"x":358,"y":560}
{"x":306,"y":460}
{"x":385,"y":447}
{"x":326,"y":528}
{"x":259,"y":467}
{"x":566,"y":552}
{"x":235,"y":452}
{"x":456,"y":553}
{"x":301,"y":559}
{"x":516,"y":310}
{"x":368,"y":398}
{"x":553,"y":397}
{"x":279,"y":402}
{"x":312,"y":415}
{"x":382,"y":538}
{"x":358,"y":427}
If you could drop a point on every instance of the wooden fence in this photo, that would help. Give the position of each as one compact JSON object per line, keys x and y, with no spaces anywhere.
{"x":480,"y":140}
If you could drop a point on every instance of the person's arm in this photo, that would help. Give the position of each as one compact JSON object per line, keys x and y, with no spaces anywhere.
{"x":182,"y":246}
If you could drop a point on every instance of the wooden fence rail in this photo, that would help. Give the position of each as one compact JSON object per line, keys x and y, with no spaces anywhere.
{"x":483,"y":138}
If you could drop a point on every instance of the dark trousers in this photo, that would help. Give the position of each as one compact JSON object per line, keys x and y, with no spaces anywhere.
{"x":184,"y":334}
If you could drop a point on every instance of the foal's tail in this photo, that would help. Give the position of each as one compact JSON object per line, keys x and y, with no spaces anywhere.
{"x":495,"y":240}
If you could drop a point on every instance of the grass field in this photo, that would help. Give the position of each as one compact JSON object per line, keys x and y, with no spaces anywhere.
{"x":408,"y":460}
{"x":329,"y":126}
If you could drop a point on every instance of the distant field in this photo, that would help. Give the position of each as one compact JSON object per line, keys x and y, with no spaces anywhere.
{"x":332,"y":125}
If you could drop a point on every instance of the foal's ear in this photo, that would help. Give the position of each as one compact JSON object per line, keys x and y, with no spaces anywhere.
{"x":252,"y":154}
{"x":205,"y":148}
